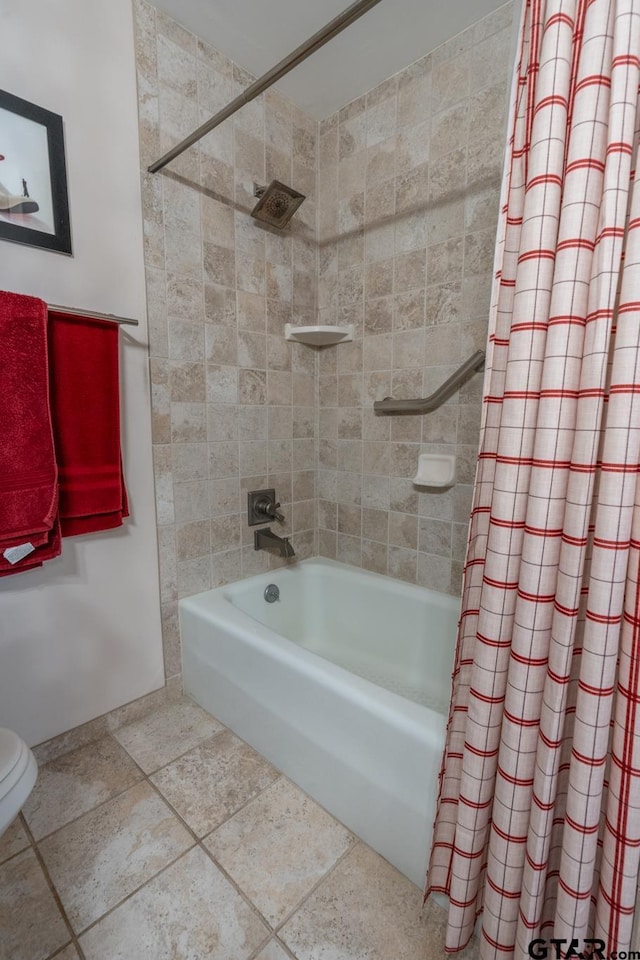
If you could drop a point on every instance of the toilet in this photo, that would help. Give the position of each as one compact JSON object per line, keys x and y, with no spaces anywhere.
{"x":18,"y":773}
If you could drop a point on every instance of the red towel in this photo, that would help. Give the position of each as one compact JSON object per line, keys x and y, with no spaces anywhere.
{"x":85,"y":407}
{"x":51,"y":547}
{"x":28,"y":473}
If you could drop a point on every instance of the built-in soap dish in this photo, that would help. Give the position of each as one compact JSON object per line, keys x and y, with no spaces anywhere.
{"x":435,"y":470}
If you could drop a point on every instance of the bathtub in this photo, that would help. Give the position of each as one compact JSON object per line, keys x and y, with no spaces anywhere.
{"x":343,"y":684}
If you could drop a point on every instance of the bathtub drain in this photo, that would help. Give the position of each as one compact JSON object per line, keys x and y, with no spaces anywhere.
{"x":272,"y":593}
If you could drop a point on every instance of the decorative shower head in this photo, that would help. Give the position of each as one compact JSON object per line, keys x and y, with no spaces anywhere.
{"x":277,"y":203}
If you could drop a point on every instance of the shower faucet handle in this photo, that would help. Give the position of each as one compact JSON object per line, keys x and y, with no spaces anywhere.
{"x":263,"y":506}
{"x":271,"y":509}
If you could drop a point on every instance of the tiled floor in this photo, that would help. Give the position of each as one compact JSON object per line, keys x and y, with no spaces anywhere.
{"x":174,"y":840}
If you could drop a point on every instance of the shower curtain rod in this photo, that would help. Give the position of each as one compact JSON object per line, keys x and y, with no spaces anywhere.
{"x":328,"y":32}
{"x":74,"y":311}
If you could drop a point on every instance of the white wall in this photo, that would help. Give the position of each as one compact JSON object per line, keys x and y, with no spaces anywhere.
{"x":81,"y":635}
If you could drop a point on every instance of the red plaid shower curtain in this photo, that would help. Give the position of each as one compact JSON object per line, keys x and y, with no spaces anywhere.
{"x":538,"y":822}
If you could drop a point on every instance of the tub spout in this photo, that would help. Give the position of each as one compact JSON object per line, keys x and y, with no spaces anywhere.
{"x":266,"y":539}
{"x":286,"y":549}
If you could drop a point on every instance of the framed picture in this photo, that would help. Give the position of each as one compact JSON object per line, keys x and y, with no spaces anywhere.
{"x":34,"y":206}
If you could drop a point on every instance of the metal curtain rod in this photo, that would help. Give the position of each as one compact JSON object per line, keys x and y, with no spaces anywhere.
{"x":96,"y":316}
{"x":444,"y":391}
{"x":332,"y":29}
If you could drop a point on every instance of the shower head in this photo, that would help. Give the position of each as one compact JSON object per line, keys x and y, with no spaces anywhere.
{"x":277,"y":203}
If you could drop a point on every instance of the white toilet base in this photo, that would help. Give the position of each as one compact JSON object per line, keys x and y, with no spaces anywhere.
{"x":23,"y":777}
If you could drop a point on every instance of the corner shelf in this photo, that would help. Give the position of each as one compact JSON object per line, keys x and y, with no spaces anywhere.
{"x":319,"y":335}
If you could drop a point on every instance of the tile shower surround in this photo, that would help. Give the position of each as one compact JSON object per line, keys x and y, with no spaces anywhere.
{"x":396,"y":236}
{"x":233,"y":404}
{"x":408,"y":196}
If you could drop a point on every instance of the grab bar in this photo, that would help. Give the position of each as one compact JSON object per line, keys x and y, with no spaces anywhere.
{"x":444,"y":391}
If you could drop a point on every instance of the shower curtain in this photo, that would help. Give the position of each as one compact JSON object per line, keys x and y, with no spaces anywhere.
{"x":538,"y":821}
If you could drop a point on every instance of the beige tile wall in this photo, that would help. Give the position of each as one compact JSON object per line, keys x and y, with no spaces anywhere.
{"x":233,"y":402}
{"x":396,"y":236}
{"x":408,"y":195}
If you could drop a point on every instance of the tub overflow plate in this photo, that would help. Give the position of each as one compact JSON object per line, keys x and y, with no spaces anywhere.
{"x":272,"y":593}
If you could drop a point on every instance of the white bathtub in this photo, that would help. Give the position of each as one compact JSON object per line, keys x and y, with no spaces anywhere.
{"x":303,"y":681}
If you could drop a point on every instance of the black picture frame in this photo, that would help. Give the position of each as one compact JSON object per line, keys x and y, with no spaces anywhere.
{"x":34,"y":202}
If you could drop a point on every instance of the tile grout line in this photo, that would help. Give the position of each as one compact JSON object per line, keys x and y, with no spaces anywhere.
{"x":279,"y":943}
{"x":53,"y":890}
{"x":114,"y":796}
{"x":163,"y":766}
{"x":14,"y":855}
{"x":285,"y":948}
{"x":59,"y":952}
{"x":116,"y":906}
{"x":353,"y":846}
{"x":119,"y":793}
{"x":34,"y":843}
{"x":145,"y":778}
{"x":199,"y":842}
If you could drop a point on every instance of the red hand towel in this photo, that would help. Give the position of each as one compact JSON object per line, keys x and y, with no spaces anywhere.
{"x":85,"y":406}
{"x":28,"y":473}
